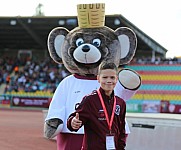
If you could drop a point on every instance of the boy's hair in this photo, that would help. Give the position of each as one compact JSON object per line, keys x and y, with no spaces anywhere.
{"x":107,"y":65}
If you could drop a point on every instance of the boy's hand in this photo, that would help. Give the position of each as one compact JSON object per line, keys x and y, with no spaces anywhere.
{"x":76,"y":123}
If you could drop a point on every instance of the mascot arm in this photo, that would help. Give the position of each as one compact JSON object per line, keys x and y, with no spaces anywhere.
{"x":52,"y":127}
{"x":55,"y":118}
{"x":130,"y":80}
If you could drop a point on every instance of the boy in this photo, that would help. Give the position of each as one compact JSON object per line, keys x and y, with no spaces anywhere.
{"x":102,"y":114}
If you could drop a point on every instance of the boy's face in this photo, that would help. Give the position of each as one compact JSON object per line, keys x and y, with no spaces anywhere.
{"x":107,"y":79}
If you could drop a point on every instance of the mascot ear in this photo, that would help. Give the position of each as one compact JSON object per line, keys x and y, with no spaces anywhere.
{"x":55,"y":41}
{"x":128,"y":42}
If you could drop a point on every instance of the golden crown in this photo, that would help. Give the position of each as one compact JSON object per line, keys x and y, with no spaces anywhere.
{"x":91,"y":15}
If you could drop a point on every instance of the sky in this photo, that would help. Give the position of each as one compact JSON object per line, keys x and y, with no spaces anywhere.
{"x":159,"y":19}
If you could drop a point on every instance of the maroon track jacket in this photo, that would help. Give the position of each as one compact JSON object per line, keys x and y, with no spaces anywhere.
{"x":95,"y":125}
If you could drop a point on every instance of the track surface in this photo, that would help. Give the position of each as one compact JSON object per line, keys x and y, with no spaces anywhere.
{"x":23,"y":130}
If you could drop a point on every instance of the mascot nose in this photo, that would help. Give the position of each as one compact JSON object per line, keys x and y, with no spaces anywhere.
{"x":85,"y":48}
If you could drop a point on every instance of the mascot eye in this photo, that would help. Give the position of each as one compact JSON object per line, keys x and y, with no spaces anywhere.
{"x":79,"y":41}
{"x":97,"y":42}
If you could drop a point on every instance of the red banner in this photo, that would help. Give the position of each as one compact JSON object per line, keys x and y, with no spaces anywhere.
{"x":167,"y":107}
{"x":31,"y":102}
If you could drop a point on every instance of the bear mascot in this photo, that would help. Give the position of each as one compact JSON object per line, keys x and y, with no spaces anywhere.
{"x":81,"y":50}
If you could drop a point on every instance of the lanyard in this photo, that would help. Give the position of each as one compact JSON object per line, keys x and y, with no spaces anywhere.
{"x":109,"y":122}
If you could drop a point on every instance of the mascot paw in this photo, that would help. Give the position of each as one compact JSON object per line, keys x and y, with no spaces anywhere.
{"x":129,"y":79}
{"x":52,"y":127}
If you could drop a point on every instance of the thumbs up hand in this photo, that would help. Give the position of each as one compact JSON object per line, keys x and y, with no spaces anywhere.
{"x":76,"y":123}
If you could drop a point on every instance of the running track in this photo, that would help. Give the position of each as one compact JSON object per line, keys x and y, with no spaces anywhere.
{"x":23,"y":130}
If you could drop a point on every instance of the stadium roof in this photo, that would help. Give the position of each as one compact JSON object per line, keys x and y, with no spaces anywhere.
{"x":32,"y":32}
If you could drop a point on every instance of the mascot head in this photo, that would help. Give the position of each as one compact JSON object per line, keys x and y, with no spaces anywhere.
{"x":82,"y":49}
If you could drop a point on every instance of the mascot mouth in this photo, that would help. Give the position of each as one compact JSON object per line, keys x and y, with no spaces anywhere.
{"x":88,"y":65}
{"x":87,"y":59}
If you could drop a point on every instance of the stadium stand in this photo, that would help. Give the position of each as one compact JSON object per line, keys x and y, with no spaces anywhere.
{"x":33,"y":81}
{"x":160,"y":90}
